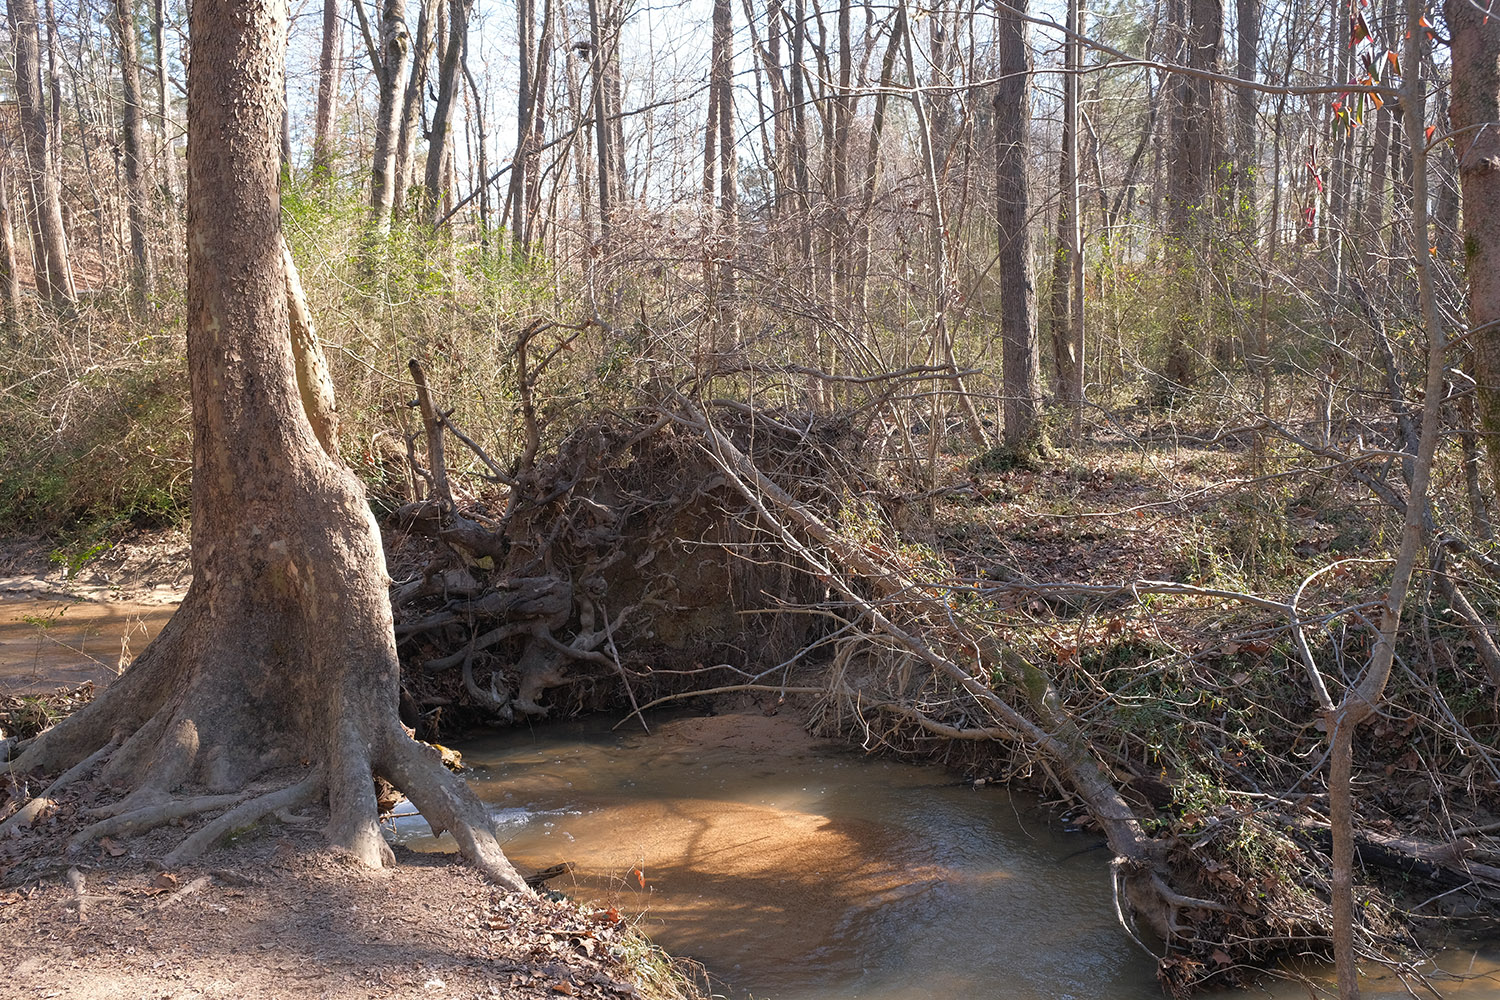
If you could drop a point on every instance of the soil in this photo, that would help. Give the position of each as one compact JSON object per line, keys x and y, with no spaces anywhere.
{"x":280,"y":916}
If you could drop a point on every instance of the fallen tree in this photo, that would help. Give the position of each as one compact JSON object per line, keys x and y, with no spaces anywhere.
{"x":626,"y":565}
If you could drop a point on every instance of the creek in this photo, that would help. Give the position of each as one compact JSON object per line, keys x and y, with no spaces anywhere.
{"x":792,"y":868}
{"x":802,"y":869}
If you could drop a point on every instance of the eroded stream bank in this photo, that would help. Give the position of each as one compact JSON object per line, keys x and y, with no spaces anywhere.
{"x":802,"y":869}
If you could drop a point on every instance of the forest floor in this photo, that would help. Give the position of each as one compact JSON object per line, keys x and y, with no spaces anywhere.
{"x":279,"y":916}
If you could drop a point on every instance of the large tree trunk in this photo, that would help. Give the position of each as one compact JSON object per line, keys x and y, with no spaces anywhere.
{"x":1199,"y":24}
{"x":1473,"y":111}
{"x":54,"y":274}
{"x":1020,"y":374}
{"x":280,"y":667}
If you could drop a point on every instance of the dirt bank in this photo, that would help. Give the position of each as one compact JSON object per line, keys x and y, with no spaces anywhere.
{"x":279,"y":916}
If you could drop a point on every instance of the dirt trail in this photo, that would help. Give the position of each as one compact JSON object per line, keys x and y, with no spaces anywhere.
{"x":283,"y":918}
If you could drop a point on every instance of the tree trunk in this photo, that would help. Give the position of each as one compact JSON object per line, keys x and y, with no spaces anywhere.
{"x":442,"y":116}
{"x":411,"y":105}
{"x":520,"y":164}
{"x":1247,"y":38}
{"x":133,"y":128}
{"x":1021,"y":378}
{"x":328,"y":85}
{"x":54,"y":273}
{"x":390,"y":70}
{"x":1473,"y":111}
{"x":1066,"y":364}
{"x":719,"y":171}
{"x":1076,"y":15}
{"x":1199,"y":24}
{"x":602,"y":132}
{"x":10,"y":278}
{"x":171,"y":182}
{"x":280,"y":665}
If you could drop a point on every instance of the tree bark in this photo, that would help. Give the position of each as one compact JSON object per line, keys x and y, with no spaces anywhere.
{"x":280,"y":666}
{"x":10,"y":278}
{"x":390,"y":70}
{"x":133,"y":128}
{"x":411,"y":105}
{"x":602,"y":132}
{"x":1473,"y":112}
{"x":328,"y":85}
{"x":54,"y":273}
{"x":171,"y":182}
{"x":1247,"y":52}
{"x":1199,"y":24}
{"x":719,"y":172}
{"x":1019,"y":369}
{"x":442,"y":116}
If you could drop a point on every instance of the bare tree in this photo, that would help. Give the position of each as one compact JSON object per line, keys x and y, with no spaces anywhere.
{"x":132,"y":133}
{"x":328,"y":83}
{"x":1019,"y":367}
{"x":280,"y":666}
{"x":388,"y":59}
{"x":50,"y":241}
{"x":412,"y":99}
{"x":442,"y":115}
{"x":166,"y":128}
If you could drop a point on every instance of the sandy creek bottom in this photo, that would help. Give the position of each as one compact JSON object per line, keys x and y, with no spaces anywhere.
{"x":799,"y":869}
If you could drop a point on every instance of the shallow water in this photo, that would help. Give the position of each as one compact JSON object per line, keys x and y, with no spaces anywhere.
{"x":50,"y":644}
{"x":800,"y":870}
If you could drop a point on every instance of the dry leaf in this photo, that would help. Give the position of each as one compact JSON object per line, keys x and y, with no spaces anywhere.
{"x":564,"y":987}
{"x":165,"y":880}
{"x":113,"y":847}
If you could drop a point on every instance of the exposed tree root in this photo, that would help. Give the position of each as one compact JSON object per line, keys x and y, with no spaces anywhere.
{"x":24,"y":816}
{"x":243,"y":815}
{"x":134,"y":821}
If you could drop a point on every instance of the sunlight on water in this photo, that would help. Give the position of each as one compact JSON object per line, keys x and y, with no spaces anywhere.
{"x":801,"y":870}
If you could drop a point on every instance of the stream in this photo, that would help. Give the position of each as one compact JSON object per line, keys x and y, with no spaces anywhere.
{"x":792,"y":868}
{"x":802,"y":869}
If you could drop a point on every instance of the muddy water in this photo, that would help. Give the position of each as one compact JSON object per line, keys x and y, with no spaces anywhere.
{"x":801,"y":870}
{"x":48,"y":644}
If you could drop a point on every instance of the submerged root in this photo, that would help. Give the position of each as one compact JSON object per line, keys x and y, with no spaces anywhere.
{"x":449,"y":805}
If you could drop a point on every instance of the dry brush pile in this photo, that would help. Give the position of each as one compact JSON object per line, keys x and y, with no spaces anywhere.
{"x":700,"y":545}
